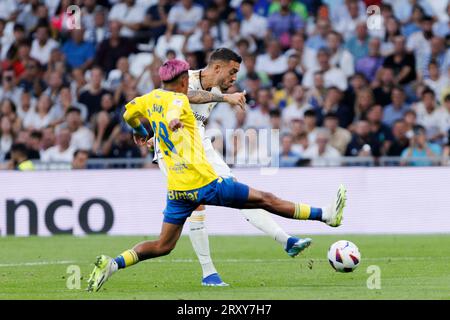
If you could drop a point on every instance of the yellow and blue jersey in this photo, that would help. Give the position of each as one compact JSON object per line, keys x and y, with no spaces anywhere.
{"x":182,"y":149}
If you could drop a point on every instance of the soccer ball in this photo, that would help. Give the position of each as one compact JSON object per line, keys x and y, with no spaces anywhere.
{"x":344,"y":256}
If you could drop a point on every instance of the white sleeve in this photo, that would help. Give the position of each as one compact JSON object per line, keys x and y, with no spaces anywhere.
{"x":172,"y":17}
{"x":114,"y":14}
{"x":347,"y":63}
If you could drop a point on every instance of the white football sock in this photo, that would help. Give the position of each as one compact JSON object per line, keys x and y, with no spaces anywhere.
{"x":200,"y":242}
{"x":262,"y":220}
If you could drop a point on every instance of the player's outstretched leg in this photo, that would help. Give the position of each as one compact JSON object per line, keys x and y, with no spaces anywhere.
{"x":106,"y":266}
{"x":262,"y":220}
{"x":199,"y":239}
{"x":331,"y":215}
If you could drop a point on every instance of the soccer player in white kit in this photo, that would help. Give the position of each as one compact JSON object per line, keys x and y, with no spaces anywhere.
{"x":205,"y":91}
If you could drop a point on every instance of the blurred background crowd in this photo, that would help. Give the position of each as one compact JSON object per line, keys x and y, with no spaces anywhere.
{"x":312,"y":69}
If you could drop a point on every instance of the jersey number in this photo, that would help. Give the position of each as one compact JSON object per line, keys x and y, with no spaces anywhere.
{"x":163,"y":134}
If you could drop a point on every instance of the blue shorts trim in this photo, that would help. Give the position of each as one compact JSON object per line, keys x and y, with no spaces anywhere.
{"x":224,"y":192}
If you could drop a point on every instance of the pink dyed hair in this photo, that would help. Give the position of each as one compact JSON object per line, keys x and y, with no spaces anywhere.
{"x":172,"y":69}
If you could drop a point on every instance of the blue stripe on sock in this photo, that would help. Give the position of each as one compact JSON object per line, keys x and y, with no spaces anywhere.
{"x":120,"y":262}
{"x":316,"y":214}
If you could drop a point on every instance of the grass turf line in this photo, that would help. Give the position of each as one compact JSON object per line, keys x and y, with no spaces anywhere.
{"x":412,"y":267}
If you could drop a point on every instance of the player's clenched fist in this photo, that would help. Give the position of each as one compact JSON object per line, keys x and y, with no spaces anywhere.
{"x":236,"y":99}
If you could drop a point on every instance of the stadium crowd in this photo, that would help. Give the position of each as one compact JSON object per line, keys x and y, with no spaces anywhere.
{"x":332,"y":83}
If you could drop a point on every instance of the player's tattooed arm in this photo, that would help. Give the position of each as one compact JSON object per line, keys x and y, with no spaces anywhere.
{"x":202,"y":96}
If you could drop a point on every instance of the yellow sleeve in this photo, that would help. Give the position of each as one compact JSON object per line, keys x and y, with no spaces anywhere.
{"x":176,"y":107}
{"x":133,"y":111}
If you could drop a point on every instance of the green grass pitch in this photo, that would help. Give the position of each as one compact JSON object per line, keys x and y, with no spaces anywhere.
{"x":412,"y":267}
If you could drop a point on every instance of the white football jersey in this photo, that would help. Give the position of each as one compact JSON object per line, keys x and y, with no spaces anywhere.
{"x":201,"y":111}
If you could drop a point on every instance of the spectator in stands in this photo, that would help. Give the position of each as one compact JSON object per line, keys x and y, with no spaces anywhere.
{"x":383,"y":91}
{"x":287,"y":157}
{"x":62,"y":151}
{"x":420,"y":148}
{"x":26,"y":105}
{"x":65,"y":102}
{"x":349,"y":19}
{"x":99,"y":31}
{"x":6,"y":136}
{"x":219,"y":29}
{"x":42,"y":116}
{"x":363,"y":143}
{"x":297,"y":108}
{"x":435,"y":80}
{"x":252,"y":24}
{"x":429,"y":116}
{"x":31,"y":79}
{"x":413,"y":23}
{"x":305,"y":54}
{"x":438,"y":54}
{"x":284,"y":96}
{"x":444,"y":114}
{"x":340,"y":57}
{"x":381,"y":132}
{"x":8,"y":108}
{"x":93,"y":92}
{"x":55,"y":82}
{"x":318,"y":39}
{"x":183,"y":17}
{"x":79,"y":53}
{"x":396,"y":110}
{"x":392,"y":30}
{"x":8,"y":90}
{"x":357,"y":83}
{"x":311,"y":127}
{"x":130,"y":16}
{"x":113,"y":47}
{"x":419,"y":43}
{"x":358,"y":45}
{"x":16,"y":49}
{"x":258,"y":117}
{"x":402,"y":63}
{"x":155,"y":20}
{"x":317,"y":93}
{"x":106,"y":126}
{"x":273,"y":63}
{"x":42,"y":45}
{"x":332,"y":76}
{"x":248,"y":68}
{"x":81,"y":136}
{"x":29,"y":18}
{"x":80,"y":159}
{"x":19,"y":158}
{"x":363,"y":102}
{"x":33,"y":144}
{"x":334,"y":103}
{"x":48,"y":138}
{"x":321,"y":152}
{"x":370,"y":63}
{"x":339,"y":137}
{"x":123,"y":146}
{"x":284,"y":22}
{"x":400,"y":139}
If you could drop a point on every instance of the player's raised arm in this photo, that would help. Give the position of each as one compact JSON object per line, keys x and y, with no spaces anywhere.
{"x":131,"y":116}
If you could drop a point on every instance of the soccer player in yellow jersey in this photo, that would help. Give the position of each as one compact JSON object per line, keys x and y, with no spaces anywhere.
{"x":191,"y":179}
